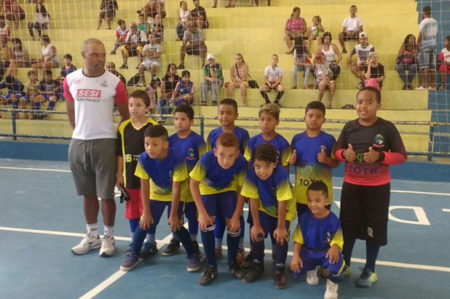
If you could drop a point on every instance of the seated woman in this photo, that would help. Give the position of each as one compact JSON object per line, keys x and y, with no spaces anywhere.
{"x":13,"y":12}
{"x":295,"y":26}
{"x":107,"y":12}
{"x":168,"y":84}
{"x":41,"y":20}
{"x":5,"y":55}
{"x":19,"y":57}
{"x":49,"y":57}
{"x":406,"y":61}
{"x":238,"y":78}
{"x":332,"y":54}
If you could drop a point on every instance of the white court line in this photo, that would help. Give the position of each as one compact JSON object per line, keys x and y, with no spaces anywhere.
{"x":446,"y":210}
{"x":337,"y":188}
{"x":166,"y":240}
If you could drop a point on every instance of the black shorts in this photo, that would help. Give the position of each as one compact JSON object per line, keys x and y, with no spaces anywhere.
{"x":364,"y":212}
{"x":193,"y":50}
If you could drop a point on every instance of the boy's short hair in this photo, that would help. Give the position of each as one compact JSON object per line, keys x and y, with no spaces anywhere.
{"x":265,"y":152}
{"x":447,"y":38}
{"x":48,"y":72}
{"x":228,"y":140}
{"x":354,"y":6}
{"x":231,"y":102}
{"x":426,"y":9}
{"x":318,"y":186}
{"x":372,"y":89}
{"x":140,"y":15}
{"x":141,"y":94}
{"x":185,"y":73}
{"x":271,"y":109}
{"x":315,"y":105}
{"x":67,"y":56}
{"x":185,"y":108}
{"x":155,"y":131}
{"x":46,"y":38}
{"x":120,"y":22}
{"x":276,"y":55}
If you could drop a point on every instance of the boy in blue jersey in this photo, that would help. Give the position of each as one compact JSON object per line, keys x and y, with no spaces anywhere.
{"x":312,"y":155}
{"x":193,"y":147}
{"x":162,"y":171}
{"x":227,"y":115}
{"x":272,"y":207}
{"x":215,"y":184}
{"x":318,"y":241}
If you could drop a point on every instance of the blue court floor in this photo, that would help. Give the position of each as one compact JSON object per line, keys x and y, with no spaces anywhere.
{"x":41,"y":219}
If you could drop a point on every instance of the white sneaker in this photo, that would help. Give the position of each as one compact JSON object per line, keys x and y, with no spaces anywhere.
{"x":108,"y":247}
{"x":420,"y":88}
{"x":332,"y":290}
{"x":87,"y":244}
{"x":312,"y":278}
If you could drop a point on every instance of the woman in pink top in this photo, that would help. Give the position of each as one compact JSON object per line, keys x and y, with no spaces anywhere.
{"x":295,"y":26}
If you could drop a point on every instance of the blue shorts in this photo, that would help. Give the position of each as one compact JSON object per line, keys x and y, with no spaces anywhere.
{"x":427,"y":57}
{"x":269,"y":224}
{"x":220,"y":204}
{"x":7,"y":97}
{"x":47,"y":96}
{"x":312,"y":259}
{"x":157,"y":208}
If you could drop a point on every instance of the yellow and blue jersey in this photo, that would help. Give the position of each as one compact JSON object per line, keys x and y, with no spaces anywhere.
{"x":162,"y":173}
{"x":318,"y":234}
{"x":270,"y":192}
{"x":242,"y":135}
{"x":308,"y":169}
{"x":214,"y":179}
{"x":279,"y":142}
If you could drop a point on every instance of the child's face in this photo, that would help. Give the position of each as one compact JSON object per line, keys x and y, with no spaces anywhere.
{"x":314,"y":119}
{"x":374,"y":59}
{"x":364,"y":41}
{"x":274,"y":60}
{"x":353,"y":11}
{"x":141,"y":19}
{"x":33,"y":77}
{"x":186,"y":78}
{"x":411,"y":40}
{"x":226,"y":155}
{"x":238,"y":59}
{"x":67,"y":61}
{"x":227,"y":115}
{"x":48,"y":77}
{"x":123,"y":26}
{"x":184,"y":5}
{"x":267,"y":123}
{"x":182,"y":122}
{"x":156,"y":147}
{"x":317,"y":202}
{"x":264,"y":169}
{"x":367,"y":105}
{"x":315,"y":21}
{"x":446,"y":43}
{"x":137,"y":108}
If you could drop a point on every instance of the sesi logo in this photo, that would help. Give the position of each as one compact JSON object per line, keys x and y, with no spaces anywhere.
{"x":89,"y":93}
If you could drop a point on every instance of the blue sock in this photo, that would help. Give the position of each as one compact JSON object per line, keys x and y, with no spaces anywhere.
{"x":183,"y":235}
{"x":36,"y":106}
{"x":371,"y":256}
{"x":51,"y":105}
{"x":15,"y":105}
{"x":258,"y":251}
{"x":133,"y":224}
{"x":280,"y":254}
{"x":348,"y":249}
{"x":233,"y":245}
{"x":208,"y":247}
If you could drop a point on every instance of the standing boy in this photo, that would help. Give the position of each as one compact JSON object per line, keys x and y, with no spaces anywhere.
{"x":368,"y":145}
{"x":215,"y":184}
{"x":426,"y":43}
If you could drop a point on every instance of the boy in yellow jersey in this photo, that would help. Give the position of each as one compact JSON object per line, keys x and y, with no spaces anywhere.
{"x":272,"y":207}
{"x":130,"y":144}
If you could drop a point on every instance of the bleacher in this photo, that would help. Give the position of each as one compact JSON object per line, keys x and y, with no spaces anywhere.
{"x":256,"y":33}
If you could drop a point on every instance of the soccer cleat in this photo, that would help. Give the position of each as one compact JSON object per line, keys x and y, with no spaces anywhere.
{"x":236,"y":270}
{"x":312,"y":278}
{"x":193,"y":262}
{"x":87,"y":244}
{"x":130,"y":262}
{"x":366,"y":279}
{"x":208,"y":275}
{"x":331,"y":291}
{"x":279,"y":279}
{"x":108,"y":247}
{"x":254,"y":272}
{"x":148,"y":250}
{"x":171,"y":248}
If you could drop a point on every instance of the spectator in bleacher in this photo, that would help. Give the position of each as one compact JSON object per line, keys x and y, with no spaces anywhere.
{"x":41,"y":20}
{"x":444,"y":59}
{"x":273,"y":75}
{"x":157,"y":28}
{"x":31,"y":92}
{"x":50,"y":89}
{"x":183,"y":16}
{"x":152,"y":92}
{"x":15,"y":93}
{"x":142,"y":24}
{"x":184,"y":91}
{"x":151,"y":55}
{"x":121,"y":34}
{"x":13,"y":12}
{"x":407,"y":61}
{"x":107,"y":12}
{"x":199,"y":15}
{"x":153,"y":8}
{"x":138,"y":79}
{"x":19,"y":56}
{"x":351,"y":28}
{"x":295,"y":26}
{"x":362,"y":51}
{"x":193,"y":43}
{"x":212,"y":79}
{"x":168,"y":84}
{"x":332,"y":54}
{"x":67,"y":68}
{"x":301,"y":61}
{"x":324,"y":78}
{"x":5,"y":55}
{"x":49,"y":57}
{"x":111,"y":67}
{"x":426,"y":43}
{"x":5,"y":31}
{"x":238,"y":78}
{"x":374,"y":70}
{"x":134,"y":42}
{"x":315,"y":31}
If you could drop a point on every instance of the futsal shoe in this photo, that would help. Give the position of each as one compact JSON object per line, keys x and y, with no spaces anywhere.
{"x":108,"y":248}
{"x":193,"y":262}
{"x":366,"y":279}
{"x":148,"y":250}
{"x":87,"y":244}
{"x":130,"y":262}
{"x":240,"y":256}
{"x":208,"y":275}
{"x":312,"y":278}
{"x":171,"y":248}
{"x":236,"y":270}
{"x":331,"y":291}
{"x":279,"y":279}
{"x":254,"y":272}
